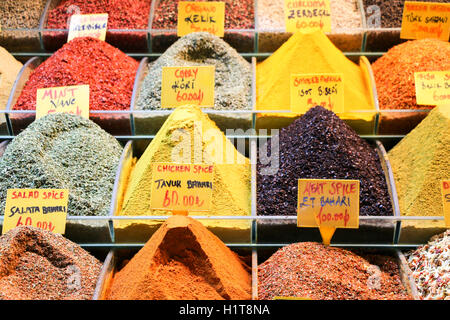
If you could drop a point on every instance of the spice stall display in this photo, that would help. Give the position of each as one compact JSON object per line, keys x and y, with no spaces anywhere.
{"x":239,"y":24}
{"x":233,"y":77}
{"x":384,"y":21}
{"x":430,"y":266}
{"x":182,"y":261}
{"x":65,"y":151}
{"x":19,"y":22}
{"x":189,"y":136}
{"x":319,"y":145}
{"x":312,"y":270}
{"x":311,"y":53}
{"x":9,"y":69}
{"x":394,"y":76}
{"x":109,"y":73}
{"x":420,"y":162}
{"x":346,"y":25}
{"x":128,"y":22}
{"x":40,"y":265}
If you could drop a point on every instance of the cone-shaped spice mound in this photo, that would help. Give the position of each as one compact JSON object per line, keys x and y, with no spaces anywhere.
{"x":394,"y":72}
{"x":189,"y":136}
{"x":109,"y":73}
{"x":39,"y":265}
{"x":232,"y":72}
{"x":319,"y":145}
{"x":420,"y":162}
{"x":63,"y":151}
{"x":182,"y":261}
{"x":312,"y":270}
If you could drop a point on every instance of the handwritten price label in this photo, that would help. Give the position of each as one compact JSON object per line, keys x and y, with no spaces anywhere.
{"x":182,"y":187}
{"x":187,"y":85}
{"x":307,"y":16}
{"x":432,"y":88}
{"x":446,"y":201}
{"x":310,"y":90}
{"x":88,"y":25}
{"x":423,"y":20}
{"x":73,"y":100}
{"x":328,"y":203}
{"x":201,"y":16}
{"x":42,"y":208}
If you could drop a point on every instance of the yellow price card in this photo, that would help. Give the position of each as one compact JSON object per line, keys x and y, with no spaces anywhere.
{"x":42,"y":208}
{"x":423,"y":20}
{"x":201,"y":16}
{"x":188,"y":85}
{"x":182,"y":187}
{"x":446,"y":201}
{"x":328,"y":204}
{"x":73,"y":99}
{"x":432,"y":88}
{"x":307,"y":16}
{"x":310,"y":90}
{"x":88,"y":25}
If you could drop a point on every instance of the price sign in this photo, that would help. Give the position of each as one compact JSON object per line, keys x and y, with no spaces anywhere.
{"x":88,"y":25}
{"x":446,"y":201}
{"x":188,"y":85}
{"x":310,"y":90}
{"x":182,"y":187}
{"x":42,"y":208}
{"x":73,"y":100}
{"x":328,"y":204}
{"x":307,"y":16}
{"x":201,"y":16}
{"x":432,"y":88}
{"x":423,"y":20}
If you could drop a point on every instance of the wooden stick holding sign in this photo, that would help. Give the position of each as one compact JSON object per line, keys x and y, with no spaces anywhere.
{"x":328,"y":204}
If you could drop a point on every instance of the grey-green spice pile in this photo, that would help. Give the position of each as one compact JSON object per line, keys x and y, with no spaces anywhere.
{"x":63,"y":151}
{"x":232,"y":77}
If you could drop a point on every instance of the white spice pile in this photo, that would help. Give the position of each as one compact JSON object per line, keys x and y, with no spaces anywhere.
{"x":344,"y":15}
{"x":430,"y":265}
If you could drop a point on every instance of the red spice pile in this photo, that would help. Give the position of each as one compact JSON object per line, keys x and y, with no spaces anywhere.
{"x":182,"y":261}
{"x":109,"y":73}
{"x":122,"y":14}
{"x":324,"y":273}
{"x":39,"y":265}
{"x":394,"y":72}
{"x":239,"y":14}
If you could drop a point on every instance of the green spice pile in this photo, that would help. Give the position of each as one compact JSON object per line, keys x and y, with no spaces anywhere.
{"x":319,"y":145}
{"x":394,"y":72}
{"x":311,"y":270}
{"x":63,"y":151}
{"x":420,"y":162}
{"x":430,"y":265}
{"x":39,"y":265}
{"x":232,"y":76}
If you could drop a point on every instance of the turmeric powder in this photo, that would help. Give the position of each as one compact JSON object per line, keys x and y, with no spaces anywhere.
{"x":310,"y":53}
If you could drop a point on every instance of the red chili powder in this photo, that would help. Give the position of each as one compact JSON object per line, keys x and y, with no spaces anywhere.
{"x":109,"y":73}
{"x":239,"y":14}
{"x":182,"y":261}
{"x":394,"y":72}
{"x":122,"y":14}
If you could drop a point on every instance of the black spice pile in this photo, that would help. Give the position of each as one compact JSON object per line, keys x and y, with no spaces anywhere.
{"x":311,"y":270}
{"x":319,"y":145}
{"x":39,"y":265}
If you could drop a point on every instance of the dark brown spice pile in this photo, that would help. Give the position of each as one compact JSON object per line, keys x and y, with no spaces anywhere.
{"x":39,"y":265}
{"x":311,"y":270}
{"x":319,"y":145}
{"x":391,"y":11}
